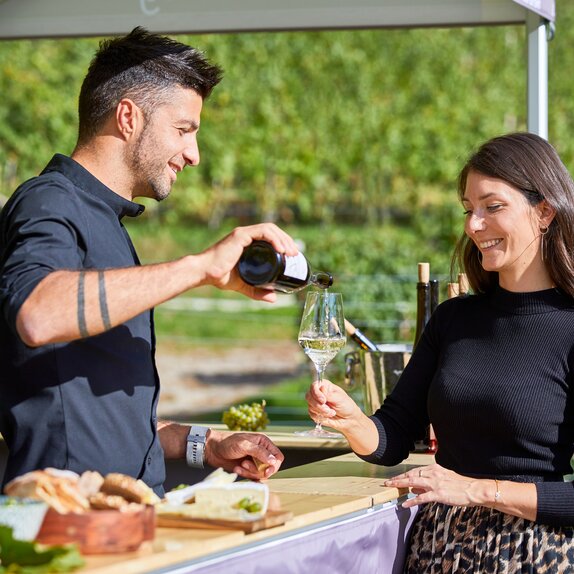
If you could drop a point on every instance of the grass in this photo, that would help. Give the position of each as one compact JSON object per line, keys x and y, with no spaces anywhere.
{"x":181,"y":325}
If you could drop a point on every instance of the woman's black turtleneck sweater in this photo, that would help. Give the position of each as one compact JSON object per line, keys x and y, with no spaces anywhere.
{"x":494,"y":375}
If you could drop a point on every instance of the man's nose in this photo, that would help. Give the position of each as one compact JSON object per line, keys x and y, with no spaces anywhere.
{"x":191,"y":154}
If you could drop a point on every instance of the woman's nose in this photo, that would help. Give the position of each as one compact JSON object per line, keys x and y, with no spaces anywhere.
{"x":475,"y":222}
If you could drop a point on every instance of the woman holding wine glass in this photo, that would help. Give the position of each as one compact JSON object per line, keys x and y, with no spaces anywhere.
{"x":494,"y":374}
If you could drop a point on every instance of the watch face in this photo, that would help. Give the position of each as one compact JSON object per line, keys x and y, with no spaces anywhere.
{"x":197,"y":433}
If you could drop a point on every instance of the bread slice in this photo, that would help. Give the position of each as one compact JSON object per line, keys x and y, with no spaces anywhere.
{"x":132,"y":489}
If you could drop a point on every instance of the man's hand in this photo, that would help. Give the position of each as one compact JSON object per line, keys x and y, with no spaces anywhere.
{"x":219,"y":260}
{"x":250,"y":455}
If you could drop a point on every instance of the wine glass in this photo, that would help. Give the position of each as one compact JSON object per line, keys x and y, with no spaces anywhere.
{"x":322,"y":336}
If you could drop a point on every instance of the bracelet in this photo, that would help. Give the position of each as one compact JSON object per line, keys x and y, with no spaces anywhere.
{"x":497,"y":493}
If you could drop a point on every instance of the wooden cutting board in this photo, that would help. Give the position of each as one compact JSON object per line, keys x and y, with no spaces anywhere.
{"x":272,"y":518}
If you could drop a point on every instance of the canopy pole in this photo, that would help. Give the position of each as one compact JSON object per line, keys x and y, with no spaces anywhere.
{"x":537,"y":74}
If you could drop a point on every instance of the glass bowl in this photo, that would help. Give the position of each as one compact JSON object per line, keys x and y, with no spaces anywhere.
{"x":23,"y":515}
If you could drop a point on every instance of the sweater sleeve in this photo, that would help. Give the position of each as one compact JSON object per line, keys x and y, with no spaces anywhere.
{"x":555,"y":503}
{"x":403,"y":417}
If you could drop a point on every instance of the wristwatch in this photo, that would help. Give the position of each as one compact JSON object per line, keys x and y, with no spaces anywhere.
{"x":195,"y":450}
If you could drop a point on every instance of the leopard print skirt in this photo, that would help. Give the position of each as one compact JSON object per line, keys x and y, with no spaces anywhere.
{"x":479,"y":540}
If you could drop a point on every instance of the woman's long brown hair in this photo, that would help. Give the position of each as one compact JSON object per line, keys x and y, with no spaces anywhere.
{"x":532,"y":166}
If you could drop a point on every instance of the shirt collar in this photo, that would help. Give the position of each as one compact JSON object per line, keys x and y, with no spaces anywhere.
{"x":83,"y":179}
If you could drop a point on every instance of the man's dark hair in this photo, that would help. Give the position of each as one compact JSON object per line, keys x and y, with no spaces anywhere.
{"x":144,"y":67}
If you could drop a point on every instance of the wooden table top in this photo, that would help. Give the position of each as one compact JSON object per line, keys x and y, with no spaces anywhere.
{"x":313,"y":493}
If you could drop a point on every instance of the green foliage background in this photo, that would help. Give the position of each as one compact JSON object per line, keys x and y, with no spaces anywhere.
{"x":351,"y":140}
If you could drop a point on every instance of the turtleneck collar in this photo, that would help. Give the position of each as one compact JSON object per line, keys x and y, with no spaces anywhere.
{"x":530,"y":303}
{"x":83,"y":179}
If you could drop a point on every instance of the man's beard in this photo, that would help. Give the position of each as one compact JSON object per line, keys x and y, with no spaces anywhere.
{"x":149,"y":172}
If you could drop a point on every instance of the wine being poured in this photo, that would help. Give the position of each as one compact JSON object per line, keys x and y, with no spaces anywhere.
{"x":322,"y":336}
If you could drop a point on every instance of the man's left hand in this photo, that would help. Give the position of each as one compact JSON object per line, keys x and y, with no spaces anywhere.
{"x":250,"y":455}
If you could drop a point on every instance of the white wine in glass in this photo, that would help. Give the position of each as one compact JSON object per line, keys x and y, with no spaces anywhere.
{"x":322,"y":336}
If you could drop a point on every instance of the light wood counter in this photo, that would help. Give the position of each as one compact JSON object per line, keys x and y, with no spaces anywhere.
{"x":314,"y":493}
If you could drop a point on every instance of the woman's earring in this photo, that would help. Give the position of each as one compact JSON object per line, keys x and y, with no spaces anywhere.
{"x":543,"y":232}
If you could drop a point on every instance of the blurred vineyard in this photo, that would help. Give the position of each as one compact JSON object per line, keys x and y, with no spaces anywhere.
{"x":350,"y":140}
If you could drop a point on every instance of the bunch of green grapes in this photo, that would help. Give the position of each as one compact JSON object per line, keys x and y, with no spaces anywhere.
{"x":246,"y":417}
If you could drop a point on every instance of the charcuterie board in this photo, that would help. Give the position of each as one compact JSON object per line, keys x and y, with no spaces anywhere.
{"x":272,"y":518}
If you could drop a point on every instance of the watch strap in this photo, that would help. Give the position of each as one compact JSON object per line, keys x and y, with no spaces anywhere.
{"x":195,"y":450}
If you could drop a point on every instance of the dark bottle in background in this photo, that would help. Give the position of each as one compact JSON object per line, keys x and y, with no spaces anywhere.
{"x":359,"y":337}
{"x":261,"y":266}
{"x":423,"y":301}
{"x":427,"y":301}
{"x":434,"y":294}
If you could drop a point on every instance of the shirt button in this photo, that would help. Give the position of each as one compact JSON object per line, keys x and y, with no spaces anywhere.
{"x":148,"y":460}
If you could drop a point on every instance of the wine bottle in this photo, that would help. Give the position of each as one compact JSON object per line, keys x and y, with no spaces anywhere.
{"x":261,"y":266}
{"x":452,"y":290}
{"x":434,"y":294}
{"x":428,"y":444}
{"x":463,"y":285}
{"x":423,"y":301}
{"x":360,"y":338}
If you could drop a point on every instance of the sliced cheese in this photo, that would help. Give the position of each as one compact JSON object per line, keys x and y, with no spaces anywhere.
{"x":183,"y":495}
{"x":221,"y":502}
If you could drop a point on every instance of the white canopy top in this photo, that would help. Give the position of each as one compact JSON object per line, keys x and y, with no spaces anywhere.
{"x":56,"y":18}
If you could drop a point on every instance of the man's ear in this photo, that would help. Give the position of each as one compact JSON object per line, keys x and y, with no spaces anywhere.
{"x":128,"y":118}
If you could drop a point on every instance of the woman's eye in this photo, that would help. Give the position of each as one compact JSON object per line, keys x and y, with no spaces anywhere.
{"x":467,"y":212}
{"x":494,"y":207}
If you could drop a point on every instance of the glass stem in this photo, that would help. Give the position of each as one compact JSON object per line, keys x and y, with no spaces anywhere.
{"x":320,"y":371}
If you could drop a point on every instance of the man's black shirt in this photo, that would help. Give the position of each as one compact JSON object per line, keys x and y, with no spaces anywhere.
{"x":89,"y":404}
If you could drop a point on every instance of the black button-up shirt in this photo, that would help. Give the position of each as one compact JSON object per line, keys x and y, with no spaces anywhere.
{"x":89,"y":404}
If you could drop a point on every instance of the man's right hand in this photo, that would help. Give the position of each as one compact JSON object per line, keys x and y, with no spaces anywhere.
{"x":219,"y":261}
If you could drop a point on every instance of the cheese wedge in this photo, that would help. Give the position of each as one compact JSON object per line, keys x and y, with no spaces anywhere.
{"x":187,"y":494}
{"x":225,"y":502}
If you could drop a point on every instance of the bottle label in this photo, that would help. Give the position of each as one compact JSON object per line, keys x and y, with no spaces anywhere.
{"x":296,"y":267}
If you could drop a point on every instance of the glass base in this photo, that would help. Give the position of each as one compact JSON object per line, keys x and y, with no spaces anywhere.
{"x":319,"y":432}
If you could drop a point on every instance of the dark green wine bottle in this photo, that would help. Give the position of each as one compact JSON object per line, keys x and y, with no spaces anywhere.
{"x":423,"y":301}
{"x":261,"y":266}
{"x":360,"y":338}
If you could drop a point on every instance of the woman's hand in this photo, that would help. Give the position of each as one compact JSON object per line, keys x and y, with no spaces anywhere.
{"x":434,"y":483}
{"x":331,"y":405}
